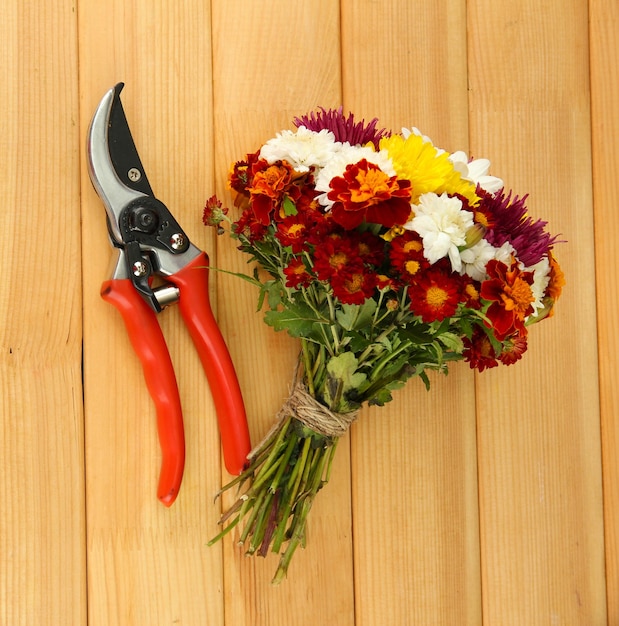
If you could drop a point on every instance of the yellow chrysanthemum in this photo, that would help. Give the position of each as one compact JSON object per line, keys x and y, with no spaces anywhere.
{"x":418,"y":161}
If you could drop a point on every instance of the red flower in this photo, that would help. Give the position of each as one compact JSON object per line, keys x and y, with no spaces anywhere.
{"x":333,"y":256}
{"x":384,"y":282}
{"x":248,"y":226}
{"x":366,"y":193}
{"x":214,"y":212}
{"x":470,"y":292}
{"x":406,"y":256}
{"x":371,"y":249}
{"x":509,"y":290}
{"x":240,"y":175}
{"x":479,"y":352}
{"x":435,"y":295}
{"x":292,"y":231}
{"x":353,"y":286}
{"x":513,"y":349}
{"x":296,"y":274}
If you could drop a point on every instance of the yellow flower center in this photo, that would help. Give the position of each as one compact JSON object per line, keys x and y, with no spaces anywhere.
{"x":436,"y":297}
{"x":471,"y":292}
{"x":354,"y":283}
{"x":338,"y":259}
{"x":412,"y":246}
{"x":481,"y":218}
{"x":412,"y":267}
{"x":295,"y":229}
{"x":364,"y":249}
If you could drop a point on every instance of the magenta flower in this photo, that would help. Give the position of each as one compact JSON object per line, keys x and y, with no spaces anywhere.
{"x":508,"y":221}
{"x":344,"y":128}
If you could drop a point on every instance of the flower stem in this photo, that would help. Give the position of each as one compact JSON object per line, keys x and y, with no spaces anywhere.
{"x":322,"y":458}
{"x":307,"y":364}
{"x":284,"y":477}
{"x":295,"y":481}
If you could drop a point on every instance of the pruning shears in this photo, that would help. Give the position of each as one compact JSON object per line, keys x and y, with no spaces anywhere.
{"x":156,"y":265}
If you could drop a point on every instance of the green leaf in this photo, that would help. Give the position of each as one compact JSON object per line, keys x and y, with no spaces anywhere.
{"x":355,"y":316}
{"x":298,"y":319}
{"x":452,"y":342}
{"x":425,"y":379}
{"x":290,"y":208}
{"x":416,"y":334}
{"x":343,"y":378}
{"x":344,"y":367}
{"x":274,"y":292}
{"x":381,"y":397}
{"x":289,"y":321}
{"x":356,"y":341}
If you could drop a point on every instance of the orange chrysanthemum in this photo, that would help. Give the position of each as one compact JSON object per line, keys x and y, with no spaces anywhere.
{"x":509,"y":290}
{"x":557,"y":278}
{"x":270,"y":185}
{"x":366,"y":193}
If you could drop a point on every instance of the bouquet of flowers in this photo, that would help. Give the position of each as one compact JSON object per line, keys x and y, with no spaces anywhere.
{"x":386,"y":257}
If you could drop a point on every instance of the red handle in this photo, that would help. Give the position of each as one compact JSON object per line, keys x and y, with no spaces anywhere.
{"x":195,"y":308}
{"x":150,"y":346}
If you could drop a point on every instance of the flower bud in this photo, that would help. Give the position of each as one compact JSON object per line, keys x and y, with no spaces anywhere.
{"x":474,"y":235}
{"x":544,"y":312}
{"x":214,"y":212}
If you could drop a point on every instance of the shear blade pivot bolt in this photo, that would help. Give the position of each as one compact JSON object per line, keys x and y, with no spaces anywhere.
{"x":140,"y":269}
{"x":144,"y":220}
{"x":178,"y":241}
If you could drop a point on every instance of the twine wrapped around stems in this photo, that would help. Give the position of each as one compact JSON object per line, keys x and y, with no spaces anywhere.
{"x":301,"y":405}
{"x":304,"y":407}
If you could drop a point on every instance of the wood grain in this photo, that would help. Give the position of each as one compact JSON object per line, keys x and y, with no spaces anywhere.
{"x":604,"y":47}
{"x":256,"y":95}
{"x":414,"y":461}
{"x":42,"y":550}
{"x":538,"y":422}
{"x":148,"y":564}
{"x":492,"y":499}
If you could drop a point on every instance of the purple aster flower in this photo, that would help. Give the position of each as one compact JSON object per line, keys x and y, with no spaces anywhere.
{"x":508,"y":222}
{"x":344,"y":128}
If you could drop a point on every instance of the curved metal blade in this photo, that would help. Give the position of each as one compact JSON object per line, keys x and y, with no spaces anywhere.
{"x":114,"y":165}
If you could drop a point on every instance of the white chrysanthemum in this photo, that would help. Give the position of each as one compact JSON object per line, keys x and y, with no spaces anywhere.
{"x":346,"y":155}
{"x":302,"y":148}
{"x":505,"y":254}
{"x":541,"y":278}
{"x":442,"y":223}
{"x":475,"y":258}
{"x":476,"y":171}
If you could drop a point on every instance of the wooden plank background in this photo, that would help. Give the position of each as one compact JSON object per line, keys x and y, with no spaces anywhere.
{"x":492,"y":500}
